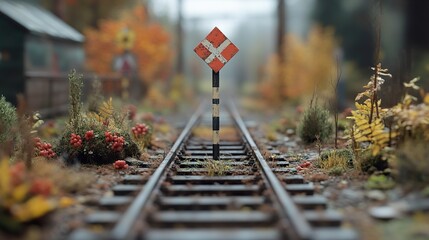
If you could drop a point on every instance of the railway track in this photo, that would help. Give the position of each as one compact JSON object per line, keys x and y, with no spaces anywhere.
{"x":191,"y":196}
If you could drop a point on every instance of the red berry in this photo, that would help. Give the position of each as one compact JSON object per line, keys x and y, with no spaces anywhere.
{"x":89,"y":134}
{"x":120,"y":164}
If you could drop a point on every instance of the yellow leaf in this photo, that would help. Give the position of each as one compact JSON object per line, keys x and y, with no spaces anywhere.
{"x":4,"y":177}
{"x":366,"y":131}
{"x":361,"y":122}
{"x":35,"y":207}
{"x":95,"y":116}
{"x":362,"y":139}
{"x":378,"y":132}
{"x":106,"y":109}
{"x":357,"y":105}
{"x":20,"y":192}
{"x":66,"y":202}
{"x":375,"y":150}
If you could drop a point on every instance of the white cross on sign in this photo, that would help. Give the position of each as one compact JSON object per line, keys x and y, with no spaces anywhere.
{"x":216,"y":50}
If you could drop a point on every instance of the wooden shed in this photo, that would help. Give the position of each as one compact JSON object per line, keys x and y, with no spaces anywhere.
{"x":37,"y":50}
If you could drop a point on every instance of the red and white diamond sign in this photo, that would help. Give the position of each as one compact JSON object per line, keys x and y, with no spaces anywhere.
{"x":216,"y":49}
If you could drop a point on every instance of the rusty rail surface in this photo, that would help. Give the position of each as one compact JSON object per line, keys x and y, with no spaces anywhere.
{"x":247,"y":199}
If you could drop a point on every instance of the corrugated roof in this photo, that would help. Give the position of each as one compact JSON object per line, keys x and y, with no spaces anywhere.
{"x":38,"y":20}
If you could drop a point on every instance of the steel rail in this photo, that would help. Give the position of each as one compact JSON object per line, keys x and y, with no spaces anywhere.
{"x":299,"y":223}
{"x":124,"y":228}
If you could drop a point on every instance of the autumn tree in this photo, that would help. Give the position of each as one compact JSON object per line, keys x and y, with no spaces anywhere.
{"x":151,"y":48}
{"x":305,"y":65}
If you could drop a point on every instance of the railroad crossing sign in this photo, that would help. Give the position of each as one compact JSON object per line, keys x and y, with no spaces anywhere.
{"x":216,"y":50}
{"x":125,"y":38}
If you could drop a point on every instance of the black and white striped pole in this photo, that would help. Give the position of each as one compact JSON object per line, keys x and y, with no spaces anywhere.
{"x":216,"y":50}
{"x":215,"y":114}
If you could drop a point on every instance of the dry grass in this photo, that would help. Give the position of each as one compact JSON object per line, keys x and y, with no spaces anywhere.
{"x":216,"y":167}
{"x":334,"y":161}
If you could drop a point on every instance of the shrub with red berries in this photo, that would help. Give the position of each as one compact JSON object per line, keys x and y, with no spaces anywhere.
{"x":43,"y":149}
{"x":98,"y":137}
{"x":97,"y":144}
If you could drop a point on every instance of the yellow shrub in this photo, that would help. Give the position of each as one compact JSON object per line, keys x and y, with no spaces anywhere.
{"x":304,"y":66}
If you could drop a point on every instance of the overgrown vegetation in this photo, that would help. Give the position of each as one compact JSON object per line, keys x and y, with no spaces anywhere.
{"x":27,"y":189}
{"x":368,"y":125}
{"x":99,"y":137}
{"x":315,"y":125}
{"x":33,"y":181}
{"x":395,"y":136}
{"x":8,"y":120}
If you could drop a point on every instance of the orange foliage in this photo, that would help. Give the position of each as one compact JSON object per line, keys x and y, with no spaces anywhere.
{"x":151,"y":47}
{"x":305,"y":65}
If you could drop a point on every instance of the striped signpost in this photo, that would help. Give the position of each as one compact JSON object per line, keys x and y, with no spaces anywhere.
{"x":216,"y":50}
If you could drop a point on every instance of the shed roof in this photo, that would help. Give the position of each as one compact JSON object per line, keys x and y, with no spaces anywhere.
{"x":38,"y":20}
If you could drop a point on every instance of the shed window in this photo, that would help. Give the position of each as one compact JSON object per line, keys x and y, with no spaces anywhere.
{"x":52,"y":56}
{"x":38,"y":54}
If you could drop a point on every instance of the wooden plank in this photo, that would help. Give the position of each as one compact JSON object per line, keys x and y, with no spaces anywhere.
{"x":201,"y":202}
{"x":210,"y":147}
{"x":222,"y":157}
{"x":209,"y":143}
{"x":102,"y":217}
{"x":209,"y":152}
{"x":213,"y":217}
{"x":212,"y":189}
{"x":279,"y":163}
{"x":332,"y":233}
{"x":214,"y":234}
{"x":293,"y":179}
{"x":310,"y":202}
{"x":134,"y":179}
{"x":113,"y":202}
{"x":203,"y":171}
{"x":328,"y":218}
{"x":235,"y":179}
{"x":284,"y":170}
{"x":202,"y":164}
{"x":125,"y":189}
{"x":306,"y":188}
